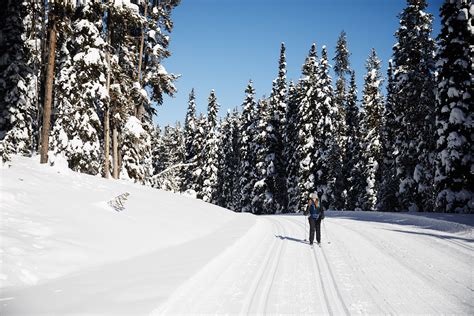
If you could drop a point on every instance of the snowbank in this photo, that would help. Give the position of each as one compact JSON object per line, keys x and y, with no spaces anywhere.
{"x":55,"y":221}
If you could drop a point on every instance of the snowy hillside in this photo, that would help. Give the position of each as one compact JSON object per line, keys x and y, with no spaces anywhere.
{"x":64,"y":250}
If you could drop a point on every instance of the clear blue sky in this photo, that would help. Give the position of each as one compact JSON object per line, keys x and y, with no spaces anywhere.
{"x":221,"y":44}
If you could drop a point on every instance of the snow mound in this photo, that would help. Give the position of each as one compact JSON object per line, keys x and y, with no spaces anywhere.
{"x":56,"y":221}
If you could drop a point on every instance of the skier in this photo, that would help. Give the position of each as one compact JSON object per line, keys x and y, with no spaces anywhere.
{"x":315,"y":216}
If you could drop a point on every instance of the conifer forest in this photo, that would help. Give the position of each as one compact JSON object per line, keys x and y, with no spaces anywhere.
{"x":83,"y":79}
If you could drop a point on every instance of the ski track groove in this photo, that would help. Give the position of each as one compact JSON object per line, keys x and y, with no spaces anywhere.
{"x":351,"y":258}
{"x":336,"y":287}
{"x":332,"y":279}
{"x":386,"y":250}
{"x":316,"y":267}
{"x":249,"y":303}
{"x":274,"y":268}
{"x":326,"y":299}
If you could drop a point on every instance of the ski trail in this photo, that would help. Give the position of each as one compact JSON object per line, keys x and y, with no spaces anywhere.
{"x":334,"y":302}
{"x":222,"y":284}
{"x":261,"y":289}
{"x":339,"y":305}
{"x":318,"y":288}
{"x":419,"y":291}
{"x":371,"y":304}
{"x":272,"y":276}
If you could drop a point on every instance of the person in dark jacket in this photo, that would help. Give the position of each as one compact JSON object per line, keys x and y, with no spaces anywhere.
{"x":315,"y":216}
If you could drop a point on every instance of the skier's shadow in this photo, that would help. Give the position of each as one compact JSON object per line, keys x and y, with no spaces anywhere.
{"x":291,"y":238}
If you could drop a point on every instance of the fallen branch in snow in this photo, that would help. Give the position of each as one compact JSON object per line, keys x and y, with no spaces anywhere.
{"x":118,"y":202}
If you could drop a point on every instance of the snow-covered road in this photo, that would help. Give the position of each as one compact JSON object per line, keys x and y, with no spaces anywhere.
{"x":362,"y":267}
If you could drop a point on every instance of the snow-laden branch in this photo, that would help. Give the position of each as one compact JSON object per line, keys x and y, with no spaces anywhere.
{"x":179,"y":165}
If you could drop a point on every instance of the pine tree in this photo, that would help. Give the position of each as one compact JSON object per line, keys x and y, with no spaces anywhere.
{"x":157,"y":152}
{"x":227,"y":194}
{"x":308,"y":113}
{"x":291,"y":149}
{"x":342,"y":69}
{"x":190,"y":126}
{"x":197,"y":170}
{"x":414,"y":106}
{"x":372,"y":103}
{"x":159,"y":26}
{"x":20,"y":73}
{"x":132,"y":166}
{"x":387,"y":196}
{"x":328,"y":156}
{"x":81,"y":97}
{"x":275,"y":141}
{"x":454,"y":109}
{"x":189,"y":145}
{"x":169,"y":159}
{"x":352,"y":164}
{"x":210,"y":161}
{"x":262,"y":201}
{"x":247,"y":149}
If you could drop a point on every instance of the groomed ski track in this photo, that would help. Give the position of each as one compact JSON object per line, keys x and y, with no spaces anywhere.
{"x":262,"y":265}
{"x":362,"y":267}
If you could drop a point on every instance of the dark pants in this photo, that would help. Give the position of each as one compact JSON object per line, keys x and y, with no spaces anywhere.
{"x":314,"y":224}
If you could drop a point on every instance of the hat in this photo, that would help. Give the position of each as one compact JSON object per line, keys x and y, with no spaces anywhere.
{"x":313,"y":196}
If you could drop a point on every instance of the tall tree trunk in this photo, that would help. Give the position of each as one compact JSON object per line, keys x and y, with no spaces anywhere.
{"x":48,"y":91}
{"x":140,"y":110}
{"x":107,"y":107}
{"x":115,"y":152}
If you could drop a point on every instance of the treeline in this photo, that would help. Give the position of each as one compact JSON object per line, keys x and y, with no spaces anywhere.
{"x":410,"y":149}
{"x":80,"y":79}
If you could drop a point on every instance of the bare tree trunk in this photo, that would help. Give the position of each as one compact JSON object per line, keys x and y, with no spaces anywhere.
{"x":140,"y":110}
{"x":115,"y":152}
{"x":48,"y":92}
{"x":107,"y":107}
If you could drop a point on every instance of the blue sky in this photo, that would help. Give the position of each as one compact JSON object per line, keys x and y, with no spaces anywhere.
{"x":221,"y":44}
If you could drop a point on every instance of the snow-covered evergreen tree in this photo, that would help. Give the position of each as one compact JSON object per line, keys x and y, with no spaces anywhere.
{"x":308,"y":114}
{"x":291,"y":149}
{"x":189,"y":144}
{"x":414,"y":106}
{"x":388,"y":189}
{"x":227,"y":194}
{"x":275,"y":141}
{"x":372,"y":102}
{"x":247,"y":150}
{"x":157,"y":151}
{"x":328,"y":156}
{"x":211,"y":152}
{"x":169,"y":159}
{"x":82,"y":95}
{"x":158,"y":28}
{"x":20,"y":73}
{"x":190,"y":126}
{"x":342,"y":69}
{"x":262,"y":201}
{"x":454,"y":109}
{"x":132,"y":166}
{"x":197,"y":169}
{"x":353,"y":163}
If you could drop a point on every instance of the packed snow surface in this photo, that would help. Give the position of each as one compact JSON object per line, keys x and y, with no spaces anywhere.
{"x":65,"y":250}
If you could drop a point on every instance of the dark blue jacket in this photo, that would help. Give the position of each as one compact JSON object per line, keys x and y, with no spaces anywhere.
{"x":314,"y":211}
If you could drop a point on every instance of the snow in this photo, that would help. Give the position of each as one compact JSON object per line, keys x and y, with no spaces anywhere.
{"x":64,"y":250}
{"x":134,"y":126}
